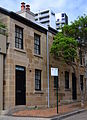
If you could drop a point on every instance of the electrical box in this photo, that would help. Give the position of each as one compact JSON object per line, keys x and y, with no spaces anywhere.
{"x":2,"y":44}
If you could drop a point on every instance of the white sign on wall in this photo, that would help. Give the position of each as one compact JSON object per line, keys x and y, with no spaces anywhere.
{"x":54,"y":71}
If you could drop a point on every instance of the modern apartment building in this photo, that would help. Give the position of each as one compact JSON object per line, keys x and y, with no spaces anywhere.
{"x":61,"y":20}
{"x":27,"y":65}
{"x":46,"y":17}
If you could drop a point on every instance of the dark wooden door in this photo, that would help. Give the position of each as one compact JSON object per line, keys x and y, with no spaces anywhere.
{"x":20,"y":85}
{"x":74,"y":88}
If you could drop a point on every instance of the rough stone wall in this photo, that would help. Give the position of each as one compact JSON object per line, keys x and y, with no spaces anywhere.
{"x":29,"y":60}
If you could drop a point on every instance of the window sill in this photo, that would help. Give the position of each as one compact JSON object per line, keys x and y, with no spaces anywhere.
{"x":67,"y":89}
{"x":38,"y":92}
{"x":20,"y":50}
{"x":36,"y":55}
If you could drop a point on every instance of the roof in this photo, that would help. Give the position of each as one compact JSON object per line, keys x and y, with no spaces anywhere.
{"x":27,"y":22}
{"x":52,"y":30}
{"x":23,"y":20}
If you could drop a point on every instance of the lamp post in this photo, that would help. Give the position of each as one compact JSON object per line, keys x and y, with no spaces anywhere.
{"x":57,"y":94}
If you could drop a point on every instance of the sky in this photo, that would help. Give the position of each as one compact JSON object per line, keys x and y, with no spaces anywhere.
{"x":73,"y":8}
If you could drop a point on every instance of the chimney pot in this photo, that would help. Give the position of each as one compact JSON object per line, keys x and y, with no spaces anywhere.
{"x":27,"y":7}
{"x":22,"y":6}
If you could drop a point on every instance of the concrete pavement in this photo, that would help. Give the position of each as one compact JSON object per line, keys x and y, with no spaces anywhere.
{"x":82,"y":115}
{"x":77,"y":115}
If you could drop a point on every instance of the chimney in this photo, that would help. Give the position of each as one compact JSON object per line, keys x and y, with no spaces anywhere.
{"x":22,"y":6}
{"x":28,"y":7}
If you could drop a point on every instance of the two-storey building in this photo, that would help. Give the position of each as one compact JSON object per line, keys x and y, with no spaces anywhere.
{"x":27,"y":64}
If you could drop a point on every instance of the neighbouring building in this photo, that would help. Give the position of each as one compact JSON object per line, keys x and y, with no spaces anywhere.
{"x":61,"y":20}
{"x":46,"y":17}
{"x":27,"y":64}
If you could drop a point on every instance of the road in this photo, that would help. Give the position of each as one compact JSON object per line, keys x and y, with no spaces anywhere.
{"x":80,"y":116}
{"x":20,"y":118}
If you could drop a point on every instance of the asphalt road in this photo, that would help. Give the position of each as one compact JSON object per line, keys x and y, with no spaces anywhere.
{"x":20,"y":118}
{"x":80,"y":116}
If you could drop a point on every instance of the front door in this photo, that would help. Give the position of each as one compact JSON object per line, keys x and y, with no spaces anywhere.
{"x":20,"y":86}
{"x":74,"y":91}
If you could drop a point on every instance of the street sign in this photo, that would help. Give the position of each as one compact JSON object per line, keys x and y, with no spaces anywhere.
{"x":54,"y":71}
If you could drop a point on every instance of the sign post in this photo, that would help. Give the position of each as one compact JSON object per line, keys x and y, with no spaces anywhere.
{"x":54,"y":72}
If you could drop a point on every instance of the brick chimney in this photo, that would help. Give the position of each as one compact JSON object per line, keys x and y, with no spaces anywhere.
{"x":22,"y":6}
{"x":27,"y":7}
{"x":25,"y":12}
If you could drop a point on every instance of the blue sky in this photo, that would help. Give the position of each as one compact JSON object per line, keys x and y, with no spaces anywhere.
{"x":73,"y":8}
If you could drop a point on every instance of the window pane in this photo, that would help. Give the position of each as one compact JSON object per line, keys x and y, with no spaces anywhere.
{"x":37,"y":79}
{"x":37,"y":44}
{"x":66,"y":80}
{"x":18,"y":37}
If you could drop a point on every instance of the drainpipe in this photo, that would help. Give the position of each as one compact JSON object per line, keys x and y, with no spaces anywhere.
{"x":48,"y":67}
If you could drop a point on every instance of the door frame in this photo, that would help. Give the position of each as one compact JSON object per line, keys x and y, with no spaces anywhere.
{"x":20,"y":67}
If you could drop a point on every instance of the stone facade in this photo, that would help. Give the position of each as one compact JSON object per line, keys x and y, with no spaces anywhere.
{"x":65,"y":95}
{"x":28,"y":59}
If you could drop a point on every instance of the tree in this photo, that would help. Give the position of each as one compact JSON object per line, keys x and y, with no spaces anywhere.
{"x":65,"y":44}
{"x":3,"y":29}
{"x":64,"y":47}
{"x":77,"y":29}
{"x":2,"y":25}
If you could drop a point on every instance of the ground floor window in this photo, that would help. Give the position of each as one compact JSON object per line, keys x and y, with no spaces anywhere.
{"x":56,"y":84}
{"x":37,"y":79}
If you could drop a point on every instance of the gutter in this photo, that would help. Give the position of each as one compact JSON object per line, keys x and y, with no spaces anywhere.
{"x":48,"y":67}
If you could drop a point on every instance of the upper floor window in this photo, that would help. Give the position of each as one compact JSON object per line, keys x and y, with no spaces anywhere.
{"x":37,"y":80}
{"x":63,"y":19}
{"x":66,"y":80}
{"x":62,"y":14}
{"x":36,"y":44}
{"x":18,"y":37}
{"x":57,"y":19}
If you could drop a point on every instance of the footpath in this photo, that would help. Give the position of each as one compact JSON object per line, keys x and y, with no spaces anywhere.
{"x":63,"y":111}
